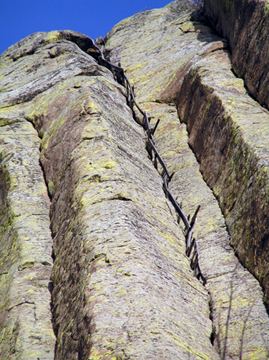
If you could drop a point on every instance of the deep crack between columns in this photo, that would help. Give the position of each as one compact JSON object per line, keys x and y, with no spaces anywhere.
{"x":50,"y":284}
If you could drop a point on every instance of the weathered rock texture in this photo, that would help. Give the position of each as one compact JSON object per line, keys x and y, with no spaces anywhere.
{"x":122,"y":286}
{"x":245,"y":23}
{"x":78,"y":187}
{"x":241,"y":178}
{"x":234,"y":156}
{"x":25,"y":238}
{"x":173,"y":46}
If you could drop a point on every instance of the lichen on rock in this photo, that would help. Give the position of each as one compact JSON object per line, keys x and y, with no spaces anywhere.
{"x":93,"y":262}
{"x":185,"y":53}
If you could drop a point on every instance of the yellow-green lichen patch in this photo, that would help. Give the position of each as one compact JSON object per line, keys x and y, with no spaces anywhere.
{"x":136,"y":67}
{"x":53,"y":36}
{"x":188,"y":348}
{"x":96,"y":355}
{"x":101,"y":164}
{"x":51,"y":187}
{"x":122,"y":292}
{"x":266,"y":7}
{"x":258,"y":354}
{"x":52,"y":131}
{"x":123,"y":272}
{"x":187,"y":26}
{"x":26,"y":265}
{"x":7,"y":121}
{"x":172,"y":240}
{"x":92,"y":107}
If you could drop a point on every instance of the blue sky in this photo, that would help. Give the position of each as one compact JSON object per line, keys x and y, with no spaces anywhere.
{"x":19,"y":18}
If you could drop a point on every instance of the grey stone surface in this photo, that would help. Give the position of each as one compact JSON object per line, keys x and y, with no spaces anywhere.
{"x":122,"y":286}
{"x":158,"y":65}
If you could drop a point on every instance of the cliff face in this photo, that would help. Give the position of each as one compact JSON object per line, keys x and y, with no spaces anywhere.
{"x":93,"y":263}
{"x":243,"y":190}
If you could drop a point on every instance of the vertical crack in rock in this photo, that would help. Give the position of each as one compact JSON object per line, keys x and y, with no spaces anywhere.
{"x":247,"y":35}
{"x":241,"y":173}
{"x":50,"y":283}
{"x":188,"y":222}
{"x":32,"y":122}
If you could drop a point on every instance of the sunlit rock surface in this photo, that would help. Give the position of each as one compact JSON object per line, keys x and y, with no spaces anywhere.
{"x":93,"y":262}
{"x":157,"y":64}
{"x":122,"y":285}
{"x":235,"y":140}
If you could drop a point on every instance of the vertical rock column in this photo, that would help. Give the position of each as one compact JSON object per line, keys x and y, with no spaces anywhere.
{"x":233,"y":153}
{"x":25,"y":240}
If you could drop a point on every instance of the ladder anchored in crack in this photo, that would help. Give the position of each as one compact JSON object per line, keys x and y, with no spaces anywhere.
{"x":192,"y":250}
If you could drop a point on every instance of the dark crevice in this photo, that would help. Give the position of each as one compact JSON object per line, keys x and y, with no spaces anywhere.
{"x":213,"y":334}
{"x":121,"y":198}
{"x":50,"y":284}
{"x":45,"y":178}
{"x":40,"y":150}
{"x":20,"y":304}
{"x":266,"y":305}
{"x":113,"y":198}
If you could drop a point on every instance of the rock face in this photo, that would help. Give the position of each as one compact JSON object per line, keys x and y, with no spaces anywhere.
{"x":120,"y":272}
{"x":233,"y":153}
{"x":161,"y":67}
{"x":245,"y":23}
{"x":94,"y":262}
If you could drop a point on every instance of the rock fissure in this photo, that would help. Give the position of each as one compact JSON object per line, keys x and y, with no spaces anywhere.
{"x":50,"y":196}
{"x":223,"y":215}
{"x":246,"y":32}
{"x":243,"y":144}
{"x":24,"y":247}
{"x":189,"y":222}
{"x":20,"y":304}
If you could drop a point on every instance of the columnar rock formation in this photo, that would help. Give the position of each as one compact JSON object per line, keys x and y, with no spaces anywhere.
{"x":243,"y":190}
{"x":93,"y":263}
